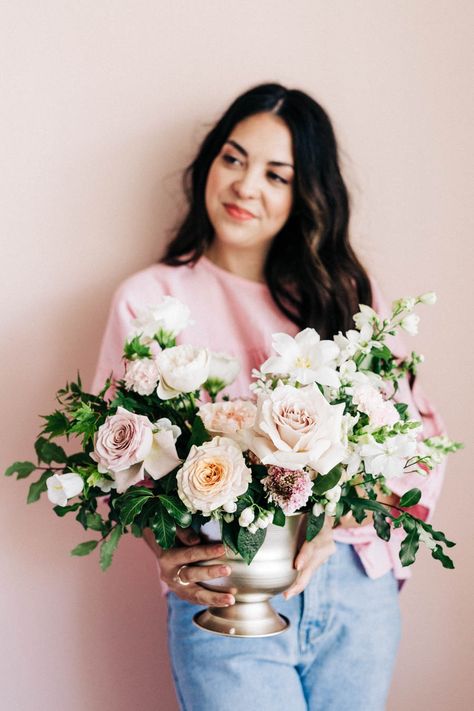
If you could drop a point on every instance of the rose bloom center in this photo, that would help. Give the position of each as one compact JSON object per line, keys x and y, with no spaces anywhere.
{"x":209,"y":473}
{"x":296,"y":418}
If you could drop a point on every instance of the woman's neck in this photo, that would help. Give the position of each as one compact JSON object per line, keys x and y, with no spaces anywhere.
{"x":246,"y":263}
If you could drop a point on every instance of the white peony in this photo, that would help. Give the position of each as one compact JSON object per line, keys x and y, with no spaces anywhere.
{"x":305,"y":358}
{"x":62,"y":487}
{"x":170,"y":315}
{"x":390,"y":457}
{"x":297,"y":427}
{"x":183,"y":369}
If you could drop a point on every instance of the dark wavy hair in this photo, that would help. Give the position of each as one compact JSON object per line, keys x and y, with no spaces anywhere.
{"x":311,"y":269}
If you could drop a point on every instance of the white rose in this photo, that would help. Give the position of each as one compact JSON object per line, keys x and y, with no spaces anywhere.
{"x":297,"y":427}
{"x":170,"y":315}
{"x":182,"y":370}
{"x":410,"y":324}
{"x":305,"y":358}
{"x":223,"y":368}
{"x":213,"y":475}
{"x":141,"y":375}
{"x":62,"y":487}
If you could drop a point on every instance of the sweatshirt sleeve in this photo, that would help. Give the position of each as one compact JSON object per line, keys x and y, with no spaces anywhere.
{"x":420,"y":408}
{"x":118,"y":328}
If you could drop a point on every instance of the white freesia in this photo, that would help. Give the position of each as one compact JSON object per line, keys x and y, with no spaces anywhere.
{"x":429,"y":298}
{"x":353,"y":342}
{"x":410,"y":324}
{"x":183,"y":369}
{"x":305,"y":358}
{"x":388,"y":458}
{"x":141,"y":375}
{"x":366,"y":316}
{"x":62,"y":487}
{"x":223,"y":368}
{"x":297,"y":427}
{"x":170,"y":315}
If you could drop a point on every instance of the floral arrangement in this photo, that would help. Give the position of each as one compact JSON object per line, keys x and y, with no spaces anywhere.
{"x":322,"y":433}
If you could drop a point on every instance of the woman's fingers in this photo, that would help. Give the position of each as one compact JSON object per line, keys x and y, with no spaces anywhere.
{"x":187,"y":536}
{"x":311,"y":555}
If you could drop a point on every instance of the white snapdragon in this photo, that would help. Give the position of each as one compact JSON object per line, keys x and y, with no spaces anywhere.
{"x":305,"y":358}
{"x":410,"y":324}
{"x":429,"y":298}
{"x":62,"y":487}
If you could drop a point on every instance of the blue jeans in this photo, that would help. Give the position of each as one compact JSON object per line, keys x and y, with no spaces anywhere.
{"x":338,"y":654}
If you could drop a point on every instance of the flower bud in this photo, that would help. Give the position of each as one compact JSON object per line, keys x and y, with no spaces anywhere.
{"x":230,"y":507}
{"x":429,"y":298}
{"x":331,"y":508}
{"x":410,"y":324}
{"x":228,"y":517}
{"x":334,"y":494}
{"x":318,"y":509}
{"x":264,"y":520}
{"x":252,"y":528}
{"x":246,"y":517}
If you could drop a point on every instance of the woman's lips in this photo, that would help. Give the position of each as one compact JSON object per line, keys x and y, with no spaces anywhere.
{"x":238,"y":213}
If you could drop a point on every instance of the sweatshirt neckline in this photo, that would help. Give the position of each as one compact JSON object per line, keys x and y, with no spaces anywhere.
{"x":231,"y":277}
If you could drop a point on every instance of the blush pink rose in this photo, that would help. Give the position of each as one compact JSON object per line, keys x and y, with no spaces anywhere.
{"x":121,"y":445}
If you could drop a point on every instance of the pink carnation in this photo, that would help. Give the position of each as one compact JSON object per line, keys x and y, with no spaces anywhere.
{"x":288,"y":488}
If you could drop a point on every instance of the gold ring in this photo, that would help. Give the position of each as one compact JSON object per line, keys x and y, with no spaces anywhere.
{"x":177,"y":577}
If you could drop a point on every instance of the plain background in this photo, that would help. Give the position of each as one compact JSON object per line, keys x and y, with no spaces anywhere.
{"x":103,"y":104}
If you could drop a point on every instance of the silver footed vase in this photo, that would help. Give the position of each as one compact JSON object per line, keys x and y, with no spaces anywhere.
{"x":271,"y":572}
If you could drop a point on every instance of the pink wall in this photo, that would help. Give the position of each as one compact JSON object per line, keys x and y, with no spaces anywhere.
{"x":104,"y":102}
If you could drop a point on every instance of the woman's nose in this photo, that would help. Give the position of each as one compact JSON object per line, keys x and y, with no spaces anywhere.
{"x":247,"y":186}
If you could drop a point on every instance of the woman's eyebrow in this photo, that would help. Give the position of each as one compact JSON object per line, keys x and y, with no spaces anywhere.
{"x":242,"y":150}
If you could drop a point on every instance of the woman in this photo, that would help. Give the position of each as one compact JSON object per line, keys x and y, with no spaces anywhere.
{"x":263,"y":248}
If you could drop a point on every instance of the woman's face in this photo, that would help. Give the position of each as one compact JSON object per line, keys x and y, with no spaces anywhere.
{"x":249,"y":189}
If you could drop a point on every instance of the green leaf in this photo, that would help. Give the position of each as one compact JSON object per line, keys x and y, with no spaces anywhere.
{"x":229,"y":535}
{"x":314,"y":525}
{"x":437,"y":535}
{"x":409,"y":547}
{"x":323,"y":483}
{"x":56,"y":424}
{"x":439,"y":554}
{"x":410,"y":498}
{"x":135,"y":348}
{"x":176,"y":509}
{"x":248,"y":544}
{"x":279,"y":518}
{"x":130,"y":505}
{"x":37,"y":488}
{"x":108,"y":547}
{"x":63,"y":510}
{"x":402,"y":408}
{"x":94,"y":521}
{"x":199,"y":434}
{"x":49,"y":451}
{"x":164,"y":527}
{"x":382,"y":526}
{"x":84,"y":548}
{"x":22,"y":469}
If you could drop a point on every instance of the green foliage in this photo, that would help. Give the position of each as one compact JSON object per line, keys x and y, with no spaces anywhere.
{"x":163,"y":527}
{"x":85,"y":422}
{"x":230,"y":532}
{"x":323,"y":483}
{"x":199,"y":434}
{"x":402,"y":410}
{"x":85,"y":548}
{"x":63,"y":510}
{"x":57,"y":424}
{"x":108,"y":547}
{"x":131,"y":503}
{"x":176,"y":509}
{"x":136,"y":349}
{"x":314,"y":525}
{"x":248,"y":544}
{"x":48,"y":451}
{"x":409,"y":547}
{"x":382,"y":526}
{"x":279,"y":518}
{"x":21,"y":469}
{"x":410,"y":498}
{"x":439,"y":554}
{"x":38,"y":487}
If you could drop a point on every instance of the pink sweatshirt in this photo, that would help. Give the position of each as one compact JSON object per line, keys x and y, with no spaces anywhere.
{"x":236,"y":316}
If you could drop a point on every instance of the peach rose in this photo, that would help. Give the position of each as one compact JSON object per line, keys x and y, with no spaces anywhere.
{"x":213,"y":474}
{"x":228,"y":416}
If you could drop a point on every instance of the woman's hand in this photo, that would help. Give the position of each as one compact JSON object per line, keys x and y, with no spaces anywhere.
{"x":310,"y":556}
{"x":173,"y":559}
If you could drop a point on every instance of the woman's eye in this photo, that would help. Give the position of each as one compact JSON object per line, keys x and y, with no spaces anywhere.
{"x":277,"y":178}
{"x":231,"y":160}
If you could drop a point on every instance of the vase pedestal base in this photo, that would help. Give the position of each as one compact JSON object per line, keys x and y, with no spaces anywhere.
{"x":243,"y":619}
